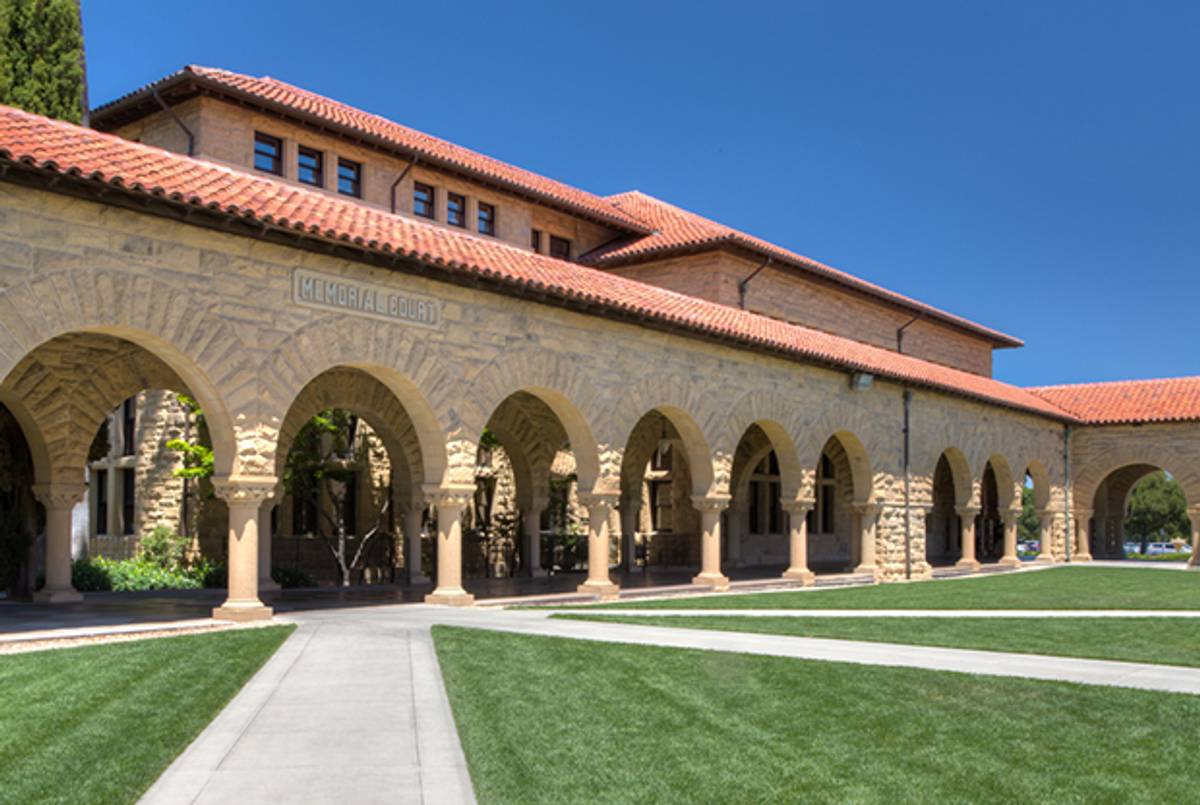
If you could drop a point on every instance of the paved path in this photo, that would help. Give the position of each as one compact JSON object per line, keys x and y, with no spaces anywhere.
{"x":350,"y":709}
{"x":1062,"y":669}
{"x":881,"y":613}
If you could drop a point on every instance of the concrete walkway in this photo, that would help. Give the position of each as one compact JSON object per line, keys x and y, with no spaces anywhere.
{"x":878,"y":613}
{"x":1164,"y":678}
{"x":350,"y":709}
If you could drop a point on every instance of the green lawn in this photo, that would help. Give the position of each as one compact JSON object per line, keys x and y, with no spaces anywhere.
{"x":1057,"y":588}
{"x":554,"y":720}
{"x":98,"y":724}
{"x":1168,"y":641}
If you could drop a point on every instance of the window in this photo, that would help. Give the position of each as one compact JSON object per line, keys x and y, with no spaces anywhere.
{"x":423,"y":201}
{"x":560,"y":247}
{"x":310,"y":167}
{"x":487,"y":219}
{"x":456,"y":209}
{"x":128,"y":426}
{"x":100,"y":478}
{"x":268,"y":153}
{"x":766,"y":514}
{"x":660,"y":460}
{"x":349,"y":178}
{"x":127,"y":500}
{"x":661,"y":512}
{"x":820,"y":519}
{"x":535,"y":240}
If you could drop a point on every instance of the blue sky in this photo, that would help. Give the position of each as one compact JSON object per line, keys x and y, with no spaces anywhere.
{"x":1031,"y":166}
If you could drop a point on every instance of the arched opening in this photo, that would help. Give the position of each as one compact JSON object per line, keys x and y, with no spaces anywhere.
{"x":110,"y":407}
{"x":765,"y":477}
{"x":840,"y":512}
{"x":950,"y":493}
{"x":995,"y":504}
{"x":1139,"y":511}
{"x":350,"y":509}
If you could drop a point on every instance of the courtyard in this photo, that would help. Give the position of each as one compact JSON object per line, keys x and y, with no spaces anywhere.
{"x":825,"y":694}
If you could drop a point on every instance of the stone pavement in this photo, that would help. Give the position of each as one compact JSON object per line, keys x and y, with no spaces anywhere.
{"x":350,"y":709}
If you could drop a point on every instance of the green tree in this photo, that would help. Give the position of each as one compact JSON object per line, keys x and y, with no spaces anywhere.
{"x":1029,"y":525}
{"x":1157,"y":510}
{"x":41,"y":57}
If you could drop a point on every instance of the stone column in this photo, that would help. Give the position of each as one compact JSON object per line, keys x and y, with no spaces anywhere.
{"x":59,"y":499}
{"x":598,"y":581}
{"x":710,"y":542}
{"x":450,"y":503}
{"x":867,"y":513}
{"x":1046,"y":537}
{"x":1083,"y":548}
{"x":531,"y":526}
{"x":245,"y":495}
{"x":266,"y":584}
{"x":1194,"y":562}
{"x":966,"y":526}
{"x":629,"y":519}
{"x":414,"y":516}
{"x":797,"y":511}
{"x":1010,"y":557}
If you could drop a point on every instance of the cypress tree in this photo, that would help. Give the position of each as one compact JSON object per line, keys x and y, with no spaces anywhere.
{"x":41,"y":57}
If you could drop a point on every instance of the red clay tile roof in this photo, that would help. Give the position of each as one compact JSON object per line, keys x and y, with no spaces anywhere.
{"x":678,"y":230}
{"x":91,"y":157}
{"x":284,"y":96}
{"x":1173,"y":399}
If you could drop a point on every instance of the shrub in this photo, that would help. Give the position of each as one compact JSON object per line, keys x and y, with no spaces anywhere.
{"x":128,"y":575}
{"x":292,"y":577}
{"x":163,"y":547}
{"x":209,"y":574}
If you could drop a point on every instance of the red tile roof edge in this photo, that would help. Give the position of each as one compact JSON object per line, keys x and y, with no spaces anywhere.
{"x":1127,"y":402}
{"x":636,"y":250}
{"x":94,"y":159}
{"x":388,"y":134}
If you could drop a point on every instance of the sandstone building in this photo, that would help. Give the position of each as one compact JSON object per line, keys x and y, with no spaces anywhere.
{"x":272,"y":253}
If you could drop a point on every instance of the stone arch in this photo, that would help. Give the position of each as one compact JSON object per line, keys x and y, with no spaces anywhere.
{"x":858,"y":462}
{"x":168,"y":322}
{"x":780,"y":441}
{"x":1007,"y":494}
{"x":1129,"y":452}
{"x":1037,"y":471}
{"x":557,"y":384}
{"x":391,"y":354}
{"x":38,"y":449}
{"x":960,"y":472}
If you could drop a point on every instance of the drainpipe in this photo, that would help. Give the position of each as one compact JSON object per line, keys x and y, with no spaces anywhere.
{"x":907,"y":489}
{"x":744,"y":284}
{"x":400,"y":178}
{"x":902,"y":328}
{"x":1067,"y":489}
{"x":191,"y":138}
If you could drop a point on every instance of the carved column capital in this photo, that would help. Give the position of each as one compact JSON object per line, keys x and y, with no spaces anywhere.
{"x":1010,"y":516}
{"x":237,"y":489}
{"x":59,"y":495}
{"x":967,"y":512}
{"x":866,"y":510}
{"x":460,"y":496}
{"x":599,"y":503}
{"x":797,"y":508}
{"x":712,"y":505}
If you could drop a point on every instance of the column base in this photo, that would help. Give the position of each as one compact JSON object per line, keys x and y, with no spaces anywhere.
{"x":718,"y":581}
{"x":968,"y":564}
{"x":604,"y":590}
{"x":1009,"y":561}
{"x":1081,"y":557}
{"x":1045,"y":559}
{"x":801,"y":574}
{"x":453,"y":597}
{"x":71,"y":596}
{"x":243,"y":611}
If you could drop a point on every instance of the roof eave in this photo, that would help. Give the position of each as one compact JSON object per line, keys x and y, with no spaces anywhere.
{"x":127,"y":103}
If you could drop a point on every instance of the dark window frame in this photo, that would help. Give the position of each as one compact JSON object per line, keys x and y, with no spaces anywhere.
{"x":128,"y":426}
{"x":128,"y":500}
{"x":276,"y":159}
{"x":485,"y":218}
{"x":318,"y":170}
{"x":535,"y":240}
{"x":456,"y":210}
{"x":560,"y":248}
{"x":100,"y":477}
{"x":431,"y":205}
{"x":353,"y":184}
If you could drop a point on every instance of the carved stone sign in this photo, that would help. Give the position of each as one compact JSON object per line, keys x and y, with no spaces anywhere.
{"x":328,"y":292}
